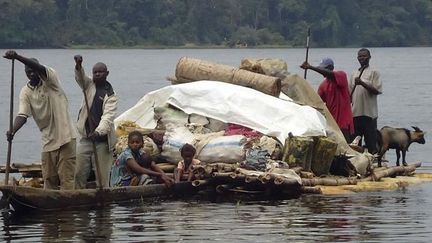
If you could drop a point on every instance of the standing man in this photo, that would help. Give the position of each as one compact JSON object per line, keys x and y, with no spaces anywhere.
{"x":44,"y":99}
{"x":98,"y":126}
{"x":364,"y":91}
{"x":334,"y":92}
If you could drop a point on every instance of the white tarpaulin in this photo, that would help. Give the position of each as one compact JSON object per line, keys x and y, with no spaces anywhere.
{"x":231,"y":104}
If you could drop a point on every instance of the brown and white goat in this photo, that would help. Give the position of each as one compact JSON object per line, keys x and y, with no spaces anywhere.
{"x":399,"y":139}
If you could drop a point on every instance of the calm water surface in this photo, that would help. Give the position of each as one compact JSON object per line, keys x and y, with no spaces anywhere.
{"x":397,"y":216}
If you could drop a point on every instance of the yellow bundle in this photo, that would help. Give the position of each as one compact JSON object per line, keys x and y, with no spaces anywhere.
{"x":121,"y":128}
{"x":122,"y":133}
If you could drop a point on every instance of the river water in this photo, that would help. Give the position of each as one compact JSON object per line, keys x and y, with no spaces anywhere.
{"x":403,"y":215}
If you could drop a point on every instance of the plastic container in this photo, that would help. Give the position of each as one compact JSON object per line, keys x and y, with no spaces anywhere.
{"x":323,"y":155}
{"x":298,"y":152}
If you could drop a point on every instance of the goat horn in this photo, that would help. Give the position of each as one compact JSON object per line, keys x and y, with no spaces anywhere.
{"x":416,"y":129}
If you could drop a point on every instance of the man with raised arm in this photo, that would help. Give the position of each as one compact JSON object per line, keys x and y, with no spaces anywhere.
{"x":334,"y":92}
{"x":97,"y":126}
{"x":44,"y":99}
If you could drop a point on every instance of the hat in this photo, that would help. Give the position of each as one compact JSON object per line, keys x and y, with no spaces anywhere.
{"x":325,"y":62}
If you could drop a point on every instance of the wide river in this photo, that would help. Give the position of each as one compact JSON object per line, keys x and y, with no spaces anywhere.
{"x":403,"y":215}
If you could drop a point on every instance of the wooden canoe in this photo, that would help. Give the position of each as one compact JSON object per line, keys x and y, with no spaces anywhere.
{"x":25,"y":199}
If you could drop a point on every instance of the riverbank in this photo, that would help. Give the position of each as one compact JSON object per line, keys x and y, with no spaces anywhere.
{"x":186,"y":46}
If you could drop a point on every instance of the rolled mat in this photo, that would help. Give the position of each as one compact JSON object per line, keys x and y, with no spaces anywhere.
{"x":190,"y":69}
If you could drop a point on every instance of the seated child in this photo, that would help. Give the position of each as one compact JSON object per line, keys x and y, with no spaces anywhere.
{"x":186,"y":166}
{"x":135,"y":167}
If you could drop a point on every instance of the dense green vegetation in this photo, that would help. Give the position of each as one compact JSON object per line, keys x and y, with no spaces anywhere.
{"x":155,"y":23}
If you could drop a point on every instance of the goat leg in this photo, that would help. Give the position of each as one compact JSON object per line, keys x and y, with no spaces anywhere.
{"x":404,"y":163}
{"x":380,"y":156}
{"x":397,"y":157}
{"x":379,"y":162}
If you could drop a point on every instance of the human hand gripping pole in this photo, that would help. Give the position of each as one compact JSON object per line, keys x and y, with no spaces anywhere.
{"x":10,"y":132}
{"x":355,"y":85}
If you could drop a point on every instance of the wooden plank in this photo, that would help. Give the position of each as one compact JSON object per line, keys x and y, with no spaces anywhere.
{"x":22,"y":168}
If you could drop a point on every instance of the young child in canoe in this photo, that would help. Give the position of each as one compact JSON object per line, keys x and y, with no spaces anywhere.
{"x":186,"y":166}
{"x":135,"y":167}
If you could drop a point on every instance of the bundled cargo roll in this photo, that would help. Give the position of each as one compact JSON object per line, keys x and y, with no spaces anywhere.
{"x":298,"y":151}
{"x":268,"y":66}
{"x":190,"y":69}
{"x":323,"y":155}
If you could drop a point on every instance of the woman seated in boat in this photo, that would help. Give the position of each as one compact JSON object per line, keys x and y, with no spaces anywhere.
{"x":185,"y":167}
{"x":135,"y":167}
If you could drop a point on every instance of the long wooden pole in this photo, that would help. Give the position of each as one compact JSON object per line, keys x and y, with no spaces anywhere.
{"x":92,"y":125}
{"x":307,"y":51}
{"x":9,"y":152}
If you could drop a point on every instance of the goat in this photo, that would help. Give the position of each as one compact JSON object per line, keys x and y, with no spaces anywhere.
{"x":399,"y":139}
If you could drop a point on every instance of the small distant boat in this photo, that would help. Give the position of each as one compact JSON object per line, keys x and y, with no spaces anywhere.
{"x":24,"y":199}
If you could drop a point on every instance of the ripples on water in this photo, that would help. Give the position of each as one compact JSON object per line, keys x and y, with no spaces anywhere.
{"x":401,"y":216}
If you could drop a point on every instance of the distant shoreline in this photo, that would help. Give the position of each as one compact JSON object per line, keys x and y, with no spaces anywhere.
{"x":192,"y":46}
{"x":187,"y":46}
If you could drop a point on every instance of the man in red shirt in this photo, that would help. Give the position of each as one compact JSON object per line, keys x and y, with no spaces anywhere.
{"x":335,"y":93}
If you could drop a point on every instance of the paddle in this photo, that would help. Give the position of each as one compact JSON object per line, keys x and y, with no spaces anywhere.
{"x":307,"y":51}
{"x":92,"y":124}
{"x":9,"y":152}
{"x":352,"y":91}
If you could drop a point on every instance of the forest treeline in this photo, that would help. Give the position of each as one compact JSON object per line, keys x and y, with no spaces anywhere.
{"x":176,"y":23}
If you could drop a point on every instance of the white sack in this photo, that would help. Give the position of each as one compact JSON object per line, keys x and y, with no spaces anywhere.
{"x":231,"y":104}
{"x":226,"y":149}
{"x":210,"y":148}
{"x":174,"y":139}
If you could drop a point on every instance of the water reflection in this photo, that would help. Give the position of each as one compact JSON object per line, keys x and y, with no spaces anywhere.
{"x":83,"y":225}
{"x":371,"y":217}
{"x":95,"y":225}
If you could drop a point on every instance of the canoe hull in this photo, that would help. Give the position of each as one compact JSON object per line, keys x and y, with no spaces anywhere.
{"x":29,"y":198}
